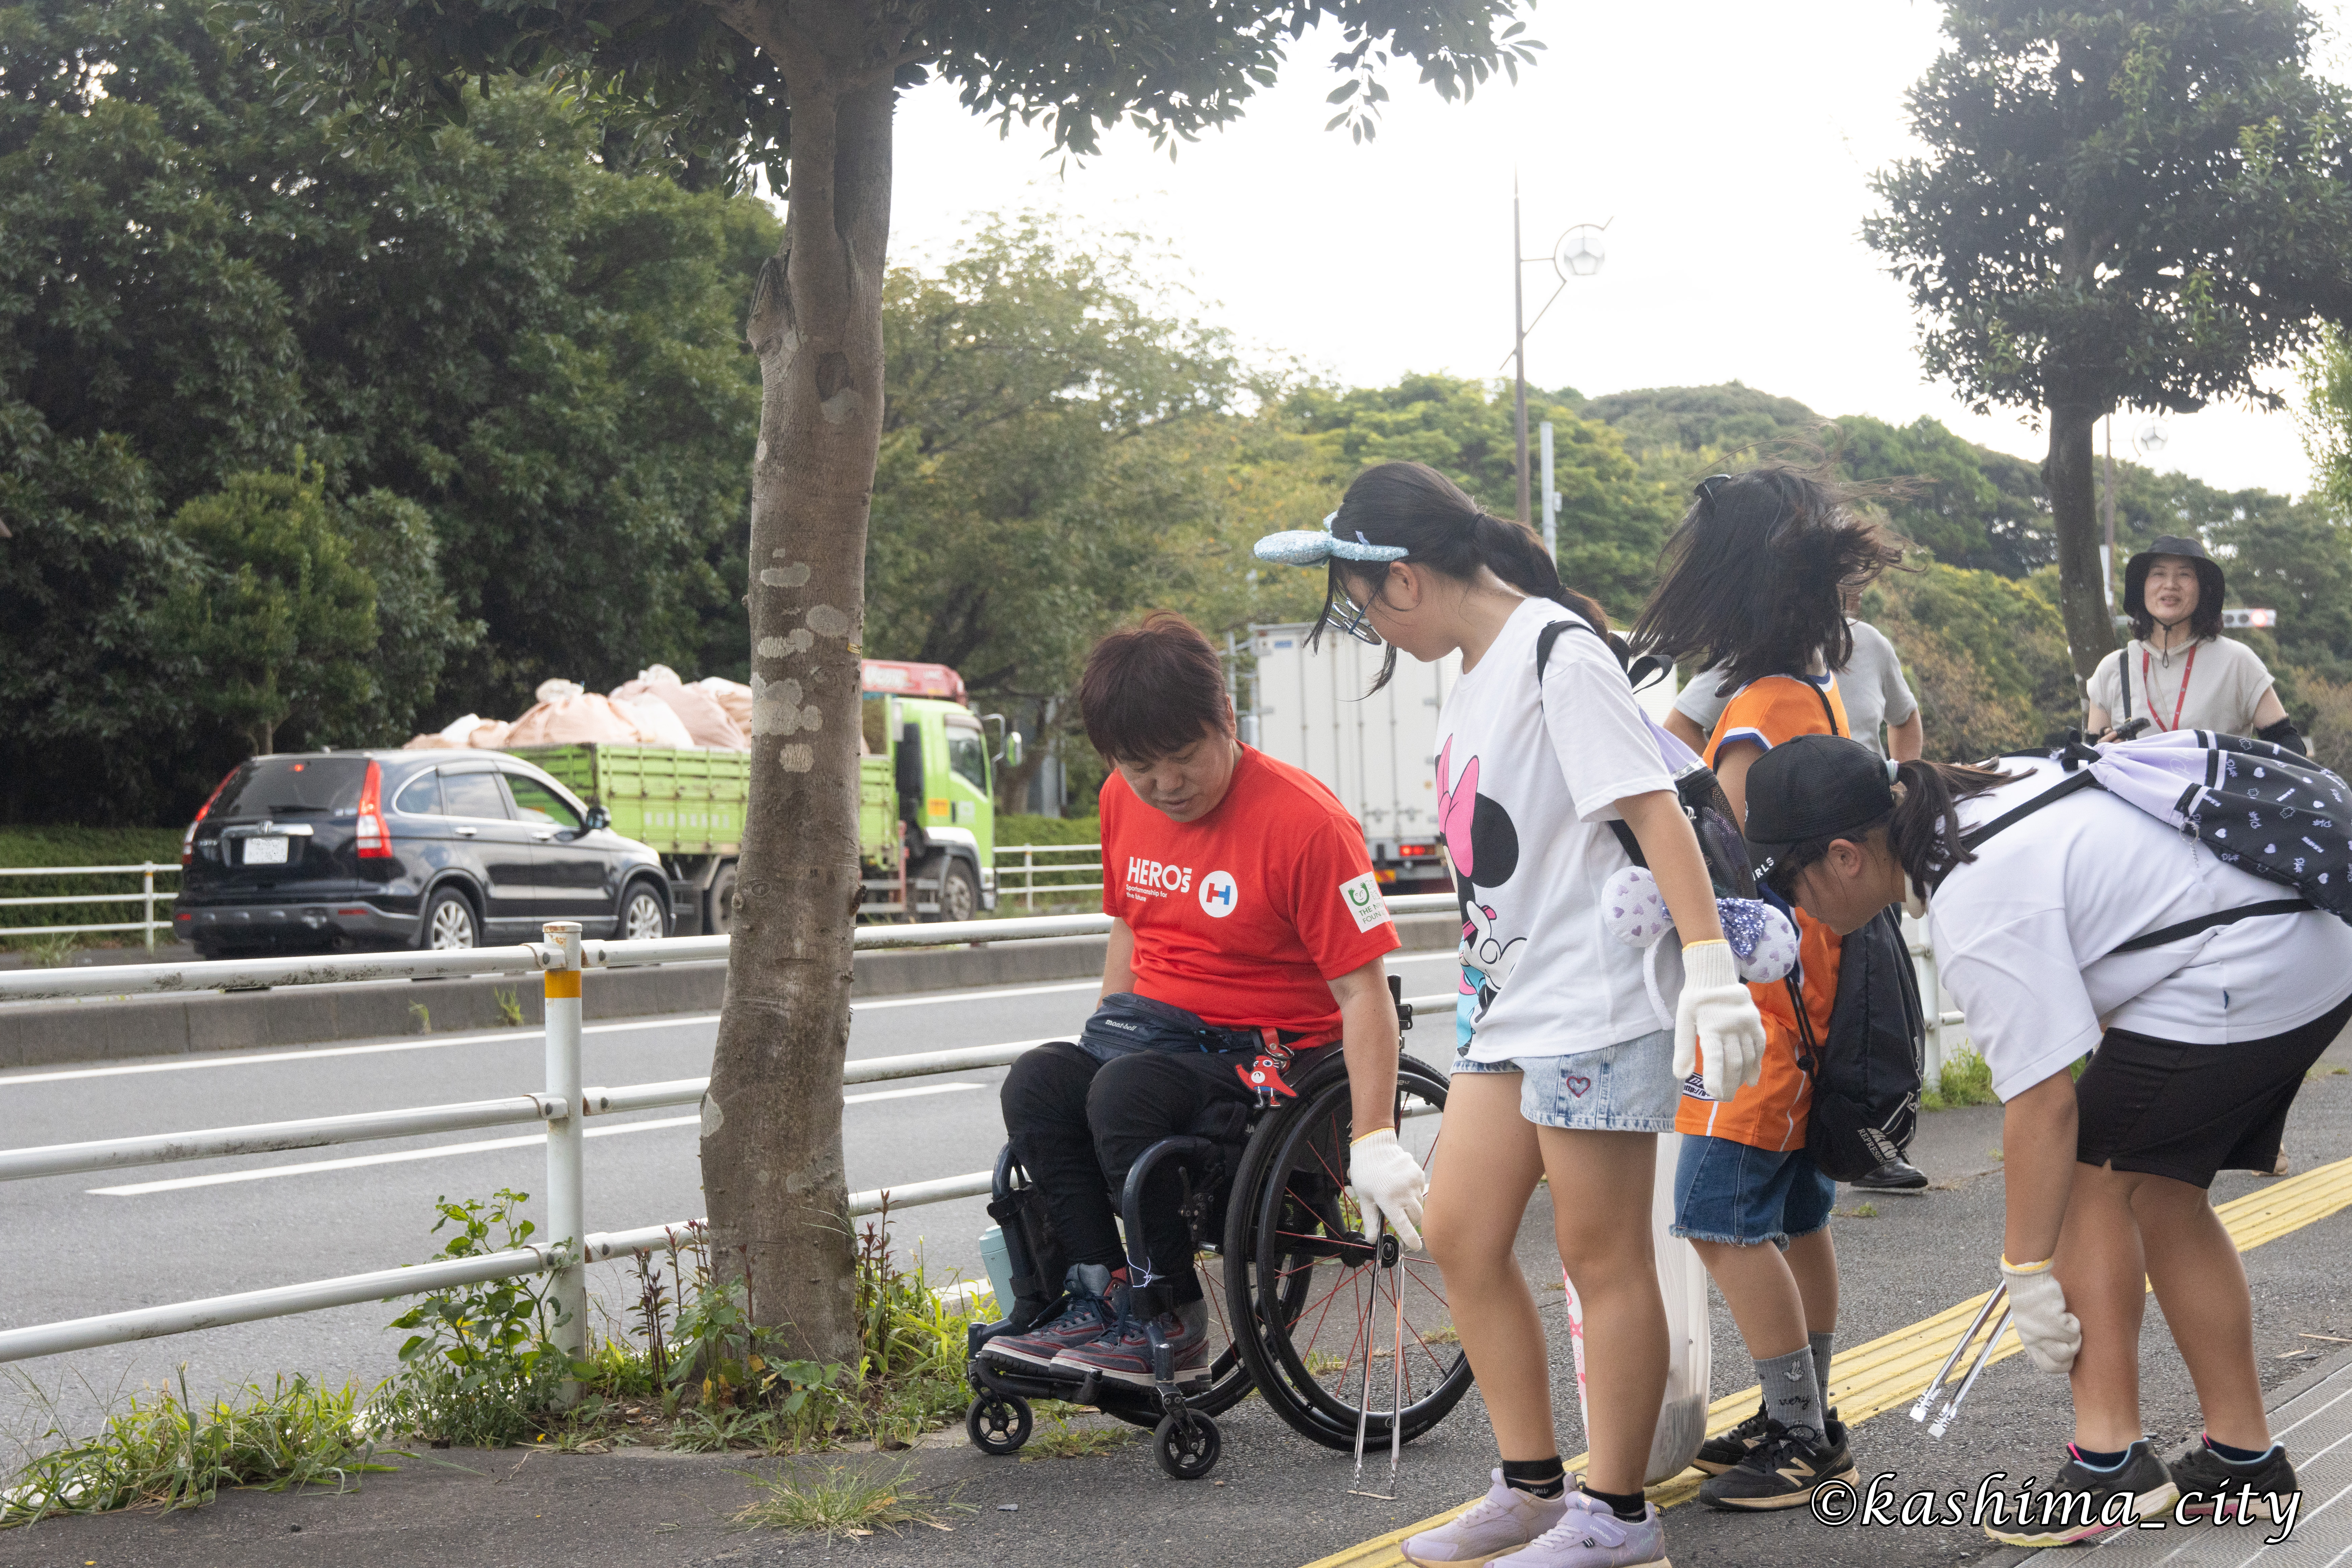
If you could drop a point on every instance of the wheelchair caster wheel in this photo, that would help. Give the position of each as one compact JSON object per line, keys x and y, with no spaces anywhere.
{"x":1187,"y":1446}
{"x":998,"y":1423}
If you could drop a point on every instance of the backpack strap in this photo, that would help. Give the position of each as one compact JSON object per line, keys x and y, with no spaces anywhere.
{"x":2163,"y":934}
{"x":2122,"y":667}
{"x":1640,"y":672}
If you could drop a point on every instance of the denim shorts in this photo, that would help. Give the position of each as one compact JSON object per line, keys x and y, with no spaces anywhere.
{"x":1732,"y":1193}
{"x":1629,"y":1087}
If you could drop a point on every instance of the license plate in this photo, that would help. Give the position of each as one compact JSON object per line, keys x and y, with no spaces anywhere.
{"x":264,"y":851}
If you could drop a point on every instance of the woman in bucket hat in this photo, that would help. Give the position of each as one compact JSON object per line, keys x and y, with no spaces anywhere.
{"x":2179,"y":672}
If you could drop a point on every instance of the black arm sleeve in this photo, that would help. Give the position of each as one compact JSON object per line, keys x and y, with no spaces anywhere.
{"x":2283,"y":734}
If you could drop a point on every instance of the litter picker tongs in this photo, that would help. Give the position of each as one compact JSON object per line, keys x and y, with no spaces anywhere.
{"x":1951,"y":1407}
{"x":1386,"y":1251}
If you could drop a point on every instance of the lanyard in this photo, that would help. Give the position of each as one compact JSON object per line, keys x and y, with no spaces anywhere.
{"x":2186,"y":671}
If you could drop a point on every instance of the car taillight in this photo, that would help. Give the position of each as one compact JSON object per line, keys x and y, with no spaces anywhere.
{"x":375,"y":844}
{"x":188,"y":840}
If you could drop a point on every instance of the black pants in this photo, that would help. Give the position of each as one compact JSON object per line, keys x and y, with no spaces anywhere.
{"x":1078,"y":1126}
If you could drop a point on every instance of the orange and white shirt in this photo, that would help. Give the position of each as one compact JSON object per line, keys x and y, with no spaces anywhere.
{"x":1771,"y":1112}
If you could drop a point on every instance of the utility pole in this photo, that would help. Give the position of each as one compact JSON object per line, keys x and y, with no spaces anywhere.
{"x":1519,"y":337}
{"x":2107,"y":507}
{"x":1578,"y":254}
{"x":1551,"y":499}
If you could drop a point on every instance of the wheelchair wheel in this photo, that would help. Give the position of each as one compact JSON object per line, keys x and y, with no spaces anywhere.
{"x":1316,"y":1308}
{"x":1187,"y":1446}
{"x":998,"y":1423}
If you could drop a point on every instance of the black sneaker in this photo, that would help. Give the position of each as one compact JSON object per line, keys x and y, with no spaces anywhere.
{"x":1085,"y":1317}
{"x":2075,"y":1507}
{"x":2211,"y":1485}
{"x":1781,"y":1472}
{"x":1124,"y":1355}
{"x":1718,"y":1455}
{"x":1894,"y":1176}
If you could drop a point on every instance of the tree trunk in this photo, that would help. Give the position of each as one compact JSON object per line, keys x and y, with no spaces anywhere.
{"x":2074,"y":508}
{"x":772,"y":1160}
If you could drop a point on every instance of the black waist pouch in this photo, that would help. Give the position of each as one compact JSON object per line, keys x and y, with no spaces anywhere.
{"x":1125,"y":1023}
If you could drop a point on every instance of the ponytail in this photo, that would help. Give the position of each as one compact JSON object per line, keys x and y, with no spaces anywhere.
{"x":1924,"y":833}
{"x":1441,"y":529}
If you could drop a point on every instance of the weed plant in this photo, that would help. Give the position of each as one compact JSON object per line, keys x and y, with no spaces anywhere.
{"x":165,"y":1451}
{"x":843,"y":1502}
{"x":1965,"y":1081}
{"x":480,"y":1370}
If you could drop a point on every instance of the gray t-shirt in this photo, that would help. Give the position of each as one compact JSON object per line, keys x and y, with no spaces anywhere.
{"x":2222,"y":691}
{"x":1871,"y":684}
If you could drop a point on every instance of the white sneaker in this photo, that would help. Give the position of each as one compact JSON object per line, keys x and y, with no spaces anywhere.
{"x":1588,"y":1535}
{"x":1504,"y":1520}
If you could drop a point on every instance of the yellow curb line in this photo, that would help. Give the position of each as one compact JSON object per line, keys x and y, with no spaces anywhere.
{"x":1894,"y":1369}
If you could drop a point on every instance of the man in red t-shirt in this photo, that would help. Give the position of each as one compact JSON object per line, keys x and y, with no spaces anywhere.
{"x":1244,"y":911}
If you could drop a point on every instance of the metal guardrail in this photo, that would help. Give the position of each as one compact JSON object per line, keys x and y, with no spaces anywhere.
{"x":1028,"y":869}
{"x":560,"y":959}
{"x":146,"y":924}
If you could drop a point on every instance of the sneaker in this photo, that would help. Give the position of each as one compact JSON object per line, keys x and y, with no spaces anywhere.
{"x":1718,"y":1455}
{"x":1782,"y":1472}
{"x":1588,"y":1535}
{"x":2214,"y":1488}
{"x":1124,"y":1355}
{"x":2076,"y":1506}
{"x":1504,"y":1520}
{"x":1894,"y":1176}
{"x":1081,"y":1322}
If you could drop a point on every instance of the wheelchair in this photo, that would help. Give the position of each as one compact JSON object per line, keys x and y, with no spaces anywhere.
{"x":1295,"y":1291}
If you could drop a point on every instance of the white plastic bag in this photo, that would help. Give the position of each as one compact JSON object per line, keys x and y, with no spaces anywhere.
{"x":707,"y":722}
{"x":1690,"y":1357}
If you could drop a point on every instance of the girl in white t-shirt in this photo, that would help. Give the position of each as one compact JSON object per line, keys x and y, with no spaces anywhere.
{"x":1573,"y":1072}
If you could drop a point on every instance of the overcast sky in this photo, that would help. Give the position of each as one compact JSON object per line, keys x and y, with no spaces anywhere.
{"x":1728,"y":144}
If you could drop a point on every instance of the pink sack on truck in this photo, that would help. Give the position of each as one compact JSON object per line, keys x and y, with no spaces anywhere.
{"x":707,"y":722}
{"x":569,"y":715}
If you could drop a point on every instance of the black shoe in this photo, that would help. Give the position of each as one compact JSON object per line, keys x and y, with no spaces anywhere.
{"x":2075,"y":1507}
{"x":1894,"y":1176}
{"x":1718,"y":1455}
{"x":2210,"y":1484}
{"x":1782,"y":1472}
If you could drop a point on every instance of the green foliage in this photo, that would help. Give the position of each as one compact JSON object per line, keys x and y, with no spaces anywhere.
{"x":1985,"y":654}
{"x":1039,"y":476}
{"x":84,"y":847}
{"x":705,"y":94}
{"x":480,"y":1370}
{"x":517,"y":363}
{"x":283,"y":622}
{"x":2135,"y":205}
{"x":165,"y":1451}
{"x":1965,"y":1081}
{"x":843,"y":1502}
{"x":1612,"y":519}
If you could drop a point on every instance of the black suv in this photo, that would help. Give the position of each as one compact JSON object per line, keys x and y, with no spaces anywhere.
{"x":436,"y":849}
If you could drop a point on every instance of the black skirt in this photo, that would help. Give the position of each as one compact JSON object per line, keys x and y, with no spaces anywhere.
{"x":2185,"y":1111}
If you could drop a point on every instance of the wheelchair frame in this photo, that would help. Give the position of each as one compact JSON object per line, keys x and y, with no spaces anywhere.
{"x":1255,"y":1244}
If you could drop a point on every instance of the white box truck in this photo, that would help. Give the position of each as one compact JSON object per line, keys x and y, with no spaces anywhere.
{"x":1378,"y":752}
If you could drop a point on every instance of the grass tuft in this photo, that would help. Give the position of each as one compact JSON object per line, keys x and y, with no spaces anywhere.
{"x":165,"y":1452}
{"x":843,"y":1502}
{"x":1965,"y":1081}
{"x":1068,"y":1442}
{"x":510,"y":1008}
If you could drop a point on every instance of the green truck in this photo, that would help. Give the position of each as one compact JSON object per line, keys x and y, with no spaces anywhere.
{"x":927,"y":816}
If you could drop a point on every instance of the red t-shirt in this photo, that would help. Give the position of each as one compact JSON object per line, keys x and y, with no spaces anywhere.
{"x":1243,"y":916}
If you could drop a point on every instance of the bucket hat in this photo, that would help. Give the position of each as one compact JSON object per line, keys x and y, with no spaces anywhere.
{"x":2209,"y":572}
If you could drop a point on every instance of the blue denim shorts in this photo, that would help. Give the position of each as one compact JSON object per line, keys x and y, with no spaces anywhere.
{"x":1729,"y":1192}
{"x":1629,"y":1087}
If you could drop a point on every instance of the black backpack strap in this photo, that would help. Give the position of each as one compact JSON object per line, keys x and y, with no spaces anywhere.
{"x":2123,"y":668}
{"x":2073,"y":783}
{"x":2163,"y":934}
{"x":1551,"y":634}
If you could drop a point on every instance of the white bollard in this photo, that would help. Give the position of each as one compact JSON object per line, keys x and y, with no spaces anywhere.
{"x":566,"y":1224}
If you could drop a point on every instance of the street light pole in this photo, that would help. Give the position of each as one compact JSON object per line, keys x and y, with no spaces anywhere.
{"x":1519,"y":339}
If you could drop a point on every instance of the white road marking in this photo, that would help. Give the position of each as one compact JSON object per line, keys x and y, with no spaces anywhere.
{"x":438,"y":1042}
{"x":440,"y":1150}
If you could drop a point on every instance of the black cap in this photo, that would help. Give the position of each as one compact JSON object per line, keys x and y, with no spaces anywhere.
{"x":2209,"y":582}
{"x":1813,"y":787}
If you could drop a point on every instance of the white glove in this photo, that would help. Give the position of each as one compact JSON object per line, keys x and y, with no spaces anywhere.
{"x":1387,"y":1184}
{"x":1715,"y":1015}
{"x":2050,"y":1333}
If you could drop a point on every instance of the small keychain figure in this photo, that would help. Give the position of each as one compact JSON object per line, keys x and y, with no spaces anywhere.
{"x":1265,"y":1071}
